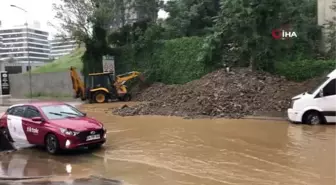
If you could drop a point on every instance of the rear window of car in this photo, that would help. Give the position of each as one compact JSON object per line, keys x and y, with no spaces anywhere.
{"x":61,"y":111}
{"x":16,"y":111}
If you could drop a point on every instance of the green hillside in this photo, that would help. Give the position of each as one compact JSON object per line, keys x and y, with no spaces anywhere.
{"x":63,"y":63}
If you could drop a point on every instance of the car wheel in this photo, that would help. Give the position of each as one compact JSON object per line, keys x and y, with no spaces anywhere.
{"x":5,"y":132}
{"x":52,"y":144}
{"x":313,"y":118}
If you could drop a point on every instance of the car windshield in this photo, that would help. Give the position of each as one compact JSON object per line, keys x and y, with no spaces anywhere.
{"x":319,"y":84}
{"x":61,"y":111}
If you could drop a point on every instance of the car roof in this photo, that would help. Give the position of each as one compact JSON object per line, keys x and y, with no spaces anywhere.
{"x":39,"y":104}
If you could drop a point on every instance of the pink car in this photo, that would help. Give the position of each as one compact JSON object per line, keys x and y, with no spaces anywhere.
{"x":54,"y":125}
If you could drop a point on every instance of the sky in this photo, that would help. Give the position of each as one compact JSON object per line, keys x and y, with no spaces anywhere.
{"x":38,"y":10}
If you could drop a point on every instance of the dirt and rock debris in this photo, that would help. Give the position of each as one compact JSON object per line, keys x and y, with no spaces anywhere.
{"x":232,"y":94}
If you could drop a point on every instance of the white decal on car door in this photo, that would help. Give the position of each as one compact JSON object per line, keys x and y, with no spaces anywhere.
{"x":16,"y":129}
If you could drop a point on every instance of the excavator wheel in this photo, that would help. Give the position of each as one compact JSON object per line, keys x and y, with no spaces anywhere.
{"x":100,"y":97}
{"x":127,"y":97}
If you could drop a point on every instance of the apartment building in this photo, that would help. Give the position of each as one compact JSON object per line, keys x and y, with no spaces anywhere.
{"x":21,"y":46}
{"x":1,"y":45}
{"x":60,"y":47}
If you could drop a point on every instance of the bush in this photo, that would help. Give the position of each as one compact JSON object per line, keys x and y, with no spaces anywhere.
{"x":171,"y":62}
{"x":301,"y":70}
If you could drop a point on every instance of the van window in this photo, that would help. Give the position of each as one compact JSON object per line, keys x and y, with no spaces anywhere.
{"x":318,"y":86}
{"x":330,"y":88}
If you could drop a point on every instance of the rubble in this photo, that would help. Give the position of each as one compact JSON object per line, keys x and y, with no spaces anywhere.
{"x":234,"y":94}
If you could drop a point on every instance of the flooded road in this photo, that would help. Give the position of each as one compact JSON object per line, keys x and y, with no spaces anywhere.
{"x":153,"y":150}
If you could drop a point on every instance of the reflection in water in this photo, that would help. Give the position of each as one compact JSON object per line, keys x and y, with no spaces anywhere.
{"x":36,"y":163}
{"x":68,"y":168}
{"x":81,"y":181}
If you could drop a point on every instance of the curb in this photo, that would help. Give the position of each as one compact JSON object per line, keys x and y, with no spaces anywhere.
{"x":3,"y":178}
{"x":113,"y":181}
{"x":266,"y":118}
{"x":5,"y":96}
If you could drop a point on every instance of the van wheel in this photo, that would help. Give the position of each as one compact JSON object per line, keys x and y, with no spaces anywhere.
{"x":313,"y":118}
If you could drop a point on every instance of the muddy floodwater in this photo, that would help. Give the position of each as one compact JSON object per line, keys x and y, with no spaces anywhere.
{"x":154,"y":150}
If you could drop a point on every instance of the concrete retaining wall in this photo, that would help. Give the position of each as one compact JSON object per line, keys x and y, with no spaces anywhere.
{"x":44,"y":84}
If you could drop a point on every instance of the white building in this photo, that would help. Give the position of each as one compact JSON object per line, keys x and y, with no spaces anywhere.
{"x":60,"y":47}
{"x":15,"y":54}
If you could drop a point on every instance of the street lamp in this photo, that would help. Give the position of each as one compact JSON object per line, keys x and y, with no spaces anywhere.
{"x":27,"y":42}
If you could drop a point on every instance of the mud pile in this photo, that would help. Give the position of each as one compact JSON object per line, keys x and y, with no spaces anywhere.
{"x":219,"y":94}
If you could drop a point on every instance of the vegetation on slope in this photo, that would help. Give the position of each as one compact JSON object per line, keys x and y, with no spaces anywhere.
{"x":63,"y":63}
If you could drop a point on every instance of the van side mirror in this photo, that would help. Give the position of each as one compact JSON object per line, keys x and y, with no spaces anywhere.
{"x":37,"y":119}
{"x":321,"y":93}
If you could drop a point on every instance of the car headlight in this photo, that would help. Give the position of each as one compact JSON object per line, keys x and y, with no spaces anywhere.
{"x":69,"y":132}
{"x":102,"y":127}
{"x":292,"y":103}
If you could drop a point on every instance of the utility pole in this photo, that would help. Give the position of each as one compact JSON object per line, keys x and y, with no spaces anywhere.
{"x":27,"y":42}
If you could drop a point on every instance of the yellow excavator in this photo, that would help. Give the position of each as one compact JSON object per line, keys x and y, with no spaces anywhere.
{"x":102,"y":87}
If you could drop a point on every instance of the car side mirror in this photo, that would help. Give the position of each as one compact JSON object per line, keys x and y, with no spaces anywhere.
{"x":321,"y":93}
{"x":37,"y":119}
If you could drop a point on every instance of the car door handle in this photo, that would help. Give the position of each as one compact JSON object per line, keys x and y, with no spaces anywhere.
{"x":9,"y":119}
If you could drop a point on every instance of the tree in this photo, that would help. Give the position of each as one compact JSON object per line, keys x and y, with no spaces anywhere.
{"x":90,"y":21}
{"x":330,"y":28}
{"x":147,"y":9}
{"x":246,"y":25}
{"x":87,"y":21}
{"x":190,"y":17}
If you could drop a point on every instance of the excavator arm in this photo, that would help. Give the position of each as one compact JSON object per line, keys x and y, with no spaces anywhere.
{"x":123,"y":78}
{"x":77,"y":84}
{"x":128,"y":76}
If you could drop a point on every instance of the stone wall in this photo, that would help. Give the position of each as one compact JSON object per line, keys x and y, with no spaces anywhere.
{"x":44,"y":84}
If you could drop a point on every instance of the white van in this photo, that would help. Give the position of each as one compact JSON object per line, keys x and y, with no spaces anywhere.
{"x":317,"y":106}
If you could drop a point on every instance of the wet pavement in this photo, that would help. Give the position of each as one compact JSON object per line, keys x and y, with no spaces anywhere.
{"x":151,"y":150}
{"x":80,"y":181}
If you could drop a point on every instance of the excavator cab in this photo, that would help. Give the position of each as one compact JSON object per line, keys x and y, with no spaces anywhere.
{"x":100,"y":87}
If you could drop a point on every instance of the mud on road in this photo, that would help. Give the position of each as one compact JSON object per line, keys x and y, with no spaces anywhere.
{"x":151,"y":150}
{"x":170,"y":150}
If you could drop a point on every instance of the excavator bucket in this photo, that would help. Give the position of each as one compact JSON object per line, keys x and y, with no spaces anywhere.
{"x":142,"y":79}
{"x":5,"y":144}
